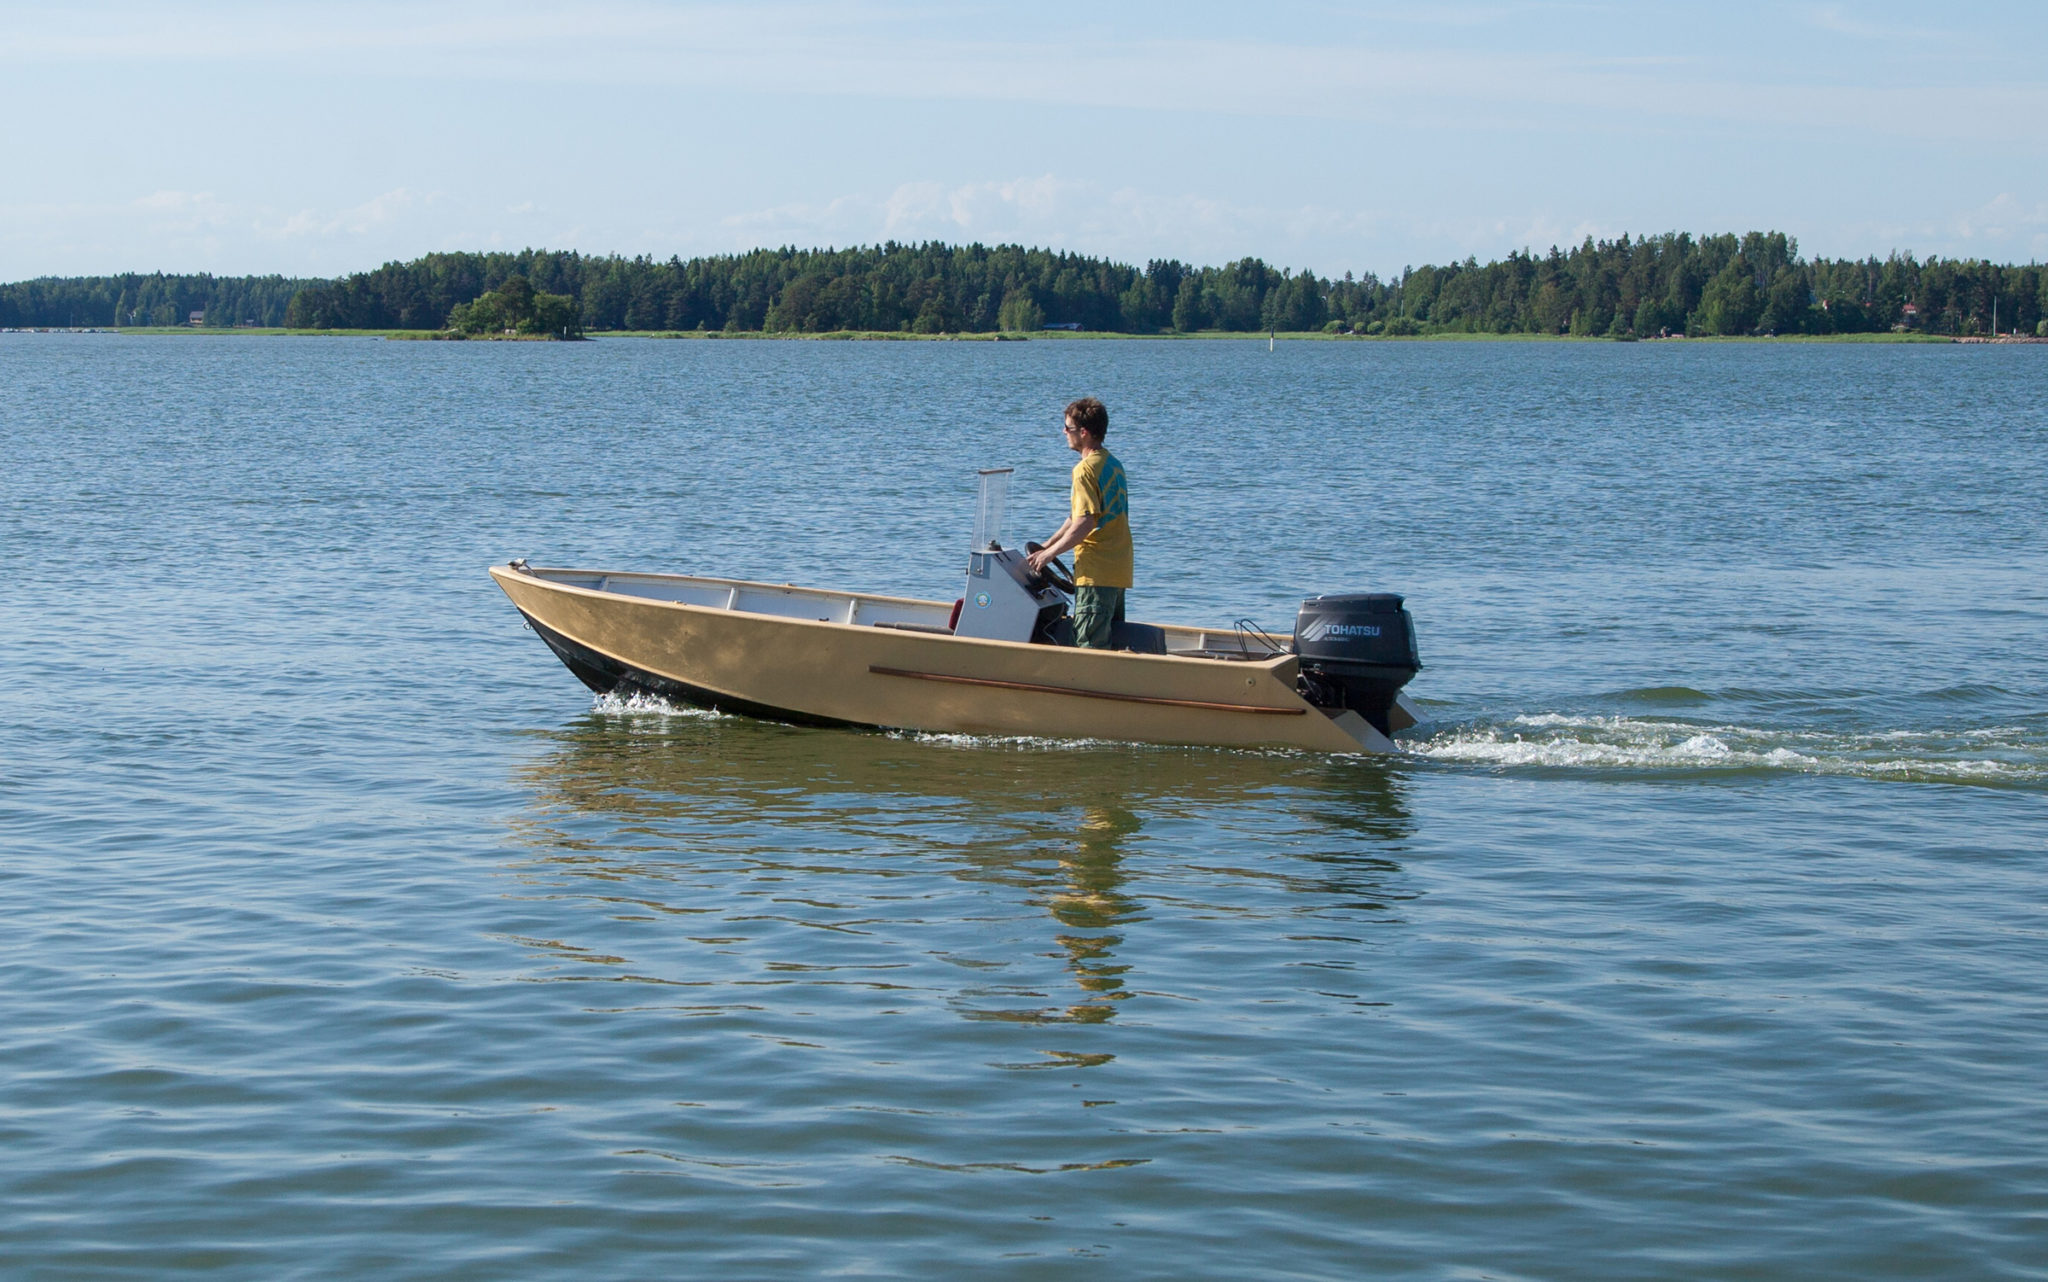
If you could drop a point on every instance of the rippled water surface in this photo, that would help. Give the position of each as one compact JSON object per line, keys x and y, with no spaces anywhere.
{"x":1701,"y":933}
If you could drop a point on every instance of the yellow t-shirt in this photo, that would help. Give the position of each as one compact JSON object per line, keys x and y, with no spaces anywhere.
{"x":1103,"y":559}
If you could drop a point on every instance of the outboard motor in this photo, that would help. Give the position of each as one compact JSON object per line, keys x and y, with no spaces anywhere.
{"x":1357,"y":650}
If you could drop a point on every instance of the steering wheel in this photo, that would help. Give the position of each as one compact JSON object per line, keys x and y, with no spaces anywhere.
{"x":1055,"y":572}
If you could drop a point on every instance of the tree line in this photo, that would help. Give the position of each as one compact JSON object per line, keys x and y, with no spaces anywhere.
{"x":1675,"y":283}
{"x":153,"y":299}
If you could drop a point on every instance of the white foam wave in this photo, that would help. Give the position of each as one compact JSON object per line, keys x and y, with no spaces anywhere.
{"x":649,"y":705}
{"x":2003,"y":755}
{"x":1040,"y":743}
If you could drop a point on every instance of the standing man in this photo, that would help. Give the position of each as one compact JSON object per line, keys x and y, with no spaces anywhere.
{"x":1099,"y":529}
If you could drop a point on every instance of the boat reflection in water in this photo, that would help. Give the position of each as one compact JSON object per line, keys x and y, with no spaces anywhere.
{"x":920,"y":863}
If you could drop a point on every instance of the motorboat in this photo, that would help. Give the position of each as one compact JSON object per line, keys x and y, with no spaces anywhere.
{"x":999,"y":660}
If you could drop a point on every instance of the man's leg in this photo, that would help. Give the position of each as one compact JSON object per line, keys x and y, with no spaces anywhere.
{"x":1096,"y":611}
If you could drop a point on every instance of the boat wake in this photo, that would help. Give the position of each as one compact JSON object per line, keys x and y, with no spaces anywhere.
{"x":2010,"y":755}
{"x":1997,"y":756}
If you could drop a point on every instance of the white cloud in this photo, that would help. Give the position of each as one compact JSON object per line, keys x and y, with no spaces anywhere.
{"x":1135,"y":225}
{"x":2004,"y":228}
{"x":180,"y":213}
{"x":2003,"y":215}
{"x":177,"y":201}
{"x":175,"y":230}
{"x":975,"y":210}
{"x":378,"y":212}
{"x":1124,"y":222}
{"x":1393,"y":67}
{"x":1359,"y":135}
{"x":1992,"y":229}
{"x":1837,"y":20}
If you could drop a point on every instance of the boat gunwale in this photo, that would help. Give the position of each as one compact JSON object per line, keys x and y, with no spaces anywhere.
{"x":540,"y":573}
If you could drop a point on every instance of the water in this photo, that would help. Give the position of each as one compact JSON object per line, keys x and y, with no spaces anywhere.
{"x":1701,"y":936}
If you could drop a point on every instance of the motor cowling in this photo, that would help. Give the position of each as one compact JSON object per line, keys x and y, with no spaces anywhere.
{"x":1357,"y":649}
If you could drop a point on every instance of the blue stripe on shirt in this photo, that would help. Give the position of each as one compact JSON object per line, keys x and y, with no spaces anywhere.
{"x":1116,"y":497}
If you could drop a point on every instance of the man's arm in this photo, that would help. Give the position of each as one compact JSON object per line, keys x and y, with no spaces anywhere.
{"x":1067,"y":536}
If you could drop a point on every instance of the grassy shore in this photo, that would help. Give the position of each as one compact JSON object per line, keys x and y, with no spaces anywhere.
{"x":1287,"y":336}
{"x":403,"y":335}
{"x":1060,"y":336}
{"x":447,"y":336}
{"x":192,"y":331}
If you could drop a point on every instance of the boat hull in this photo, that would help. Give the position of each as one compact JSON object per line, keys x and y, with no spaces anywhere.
{"x":806,"y":663}
{"x":607,"y":675}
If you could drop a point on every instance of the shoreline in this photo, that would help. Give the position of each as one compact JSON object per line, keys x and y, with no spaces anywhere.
{"x":887,"y":336}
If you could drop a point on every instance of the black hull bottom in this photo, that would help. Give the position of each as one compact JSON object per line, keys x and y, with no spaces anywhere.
{"x":607,"y":675}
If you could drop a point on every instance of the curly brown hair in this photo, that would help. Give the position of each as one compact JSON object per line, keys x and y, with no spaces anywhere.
{"x":1090,"y":415}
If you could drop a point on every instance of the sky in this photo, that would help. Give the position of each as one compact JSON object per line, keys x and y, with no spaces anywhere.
{"x":319,"y":139}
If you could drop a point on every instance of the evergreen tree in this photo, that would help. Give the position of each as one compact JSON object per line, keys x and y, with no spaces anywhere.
{"x":1755,"y":282}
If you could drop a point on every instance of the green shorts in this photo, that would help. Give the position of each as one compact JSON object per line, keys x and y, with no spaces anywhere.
{"x":1096,"y":611}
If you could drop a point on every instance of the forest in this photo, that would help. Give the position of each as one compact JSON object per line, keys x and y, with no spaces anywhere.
{"x":155,"y":298}
{"x":1756,"y":283}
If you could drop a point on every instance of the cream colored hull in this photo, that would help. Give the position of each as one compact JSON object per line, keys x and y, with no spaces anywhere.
{"x":837,"y":657}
